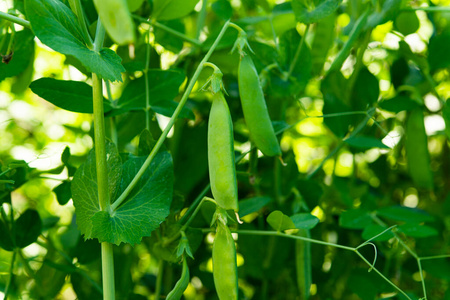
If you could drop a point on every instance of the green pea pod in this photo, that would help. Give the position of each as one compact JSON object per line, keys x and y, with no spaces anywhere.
{"x":255,"y":109}
{"x":417,"y":154}
{"x":224,"y":264}
{"x":222,"y":171}
{"x":116,"y":18}
{"x":181,"y":284}
{"x":303,"y":264}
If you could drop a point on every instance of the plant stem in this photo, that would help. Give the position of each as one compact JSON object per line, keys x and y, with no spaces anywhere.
{"x":159,"y":279}
{"x":163,"y":136}
{"x":11,"y":275}
{"x":108,"y":271}
{"x":78,"y":10}
{"x":102,"y":170}
{"x":355,"y":250}
{"x":381,"y":275}
{"x":15,"y":19}
{"x":169,"y":30}
{"x":295,"y":237}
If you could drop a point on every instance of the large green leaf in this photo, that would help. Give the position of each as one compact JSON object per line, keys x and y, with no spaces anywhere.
{"x":304,"y":221}
{"x":306,"y":12}
{"x":405,"y":214}
{"x":365,"y":142}
{"x":70,"y":95}
{"x":27,"y":228}
{"x":23,"y":54}
{"x":56,"y":26}
{"x":164,"y":86}
{"x":279,"y":221}
{"x":438,"y":51}
{"x":84,"y":187}
{"x":172,"y":9}
{"x":355,"y":219}
{"x":145,"y":208}
{"x":417,"y":230}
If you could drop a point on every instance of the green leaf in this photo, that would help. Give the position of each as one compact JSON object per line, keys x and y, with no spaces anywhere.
{"x":306,"y":12}
{"x":407,"y":22}
{"x":22,"y":56}
{"x":365,"y":91}
{"x":84,"y":187}
{"x":172,"y":9}
{"x":398,"y":103}
{"x":374,"y":229}
{"x":279,"y":221}
{"x":143,"y":211}
{"x":75,"y":96}
{"x":301,"y":73}
{"x":27,"y":228}
{"x":146,"y":143}
{"x":365,"y":142}
{"x":417,"y":231}
{"x":333,"y":88}
{"x":56,"y":26}
{"x":323,"y":41}
{"x":63,"y":192}
{"x":355,"y":219}
{"x":147,"y":206}
{"x":438,"y":50}
{"x":405,"y":214}
{"x":304,"y":221}
{"x":164,"y":86}
{"x":6,"y":242}
{"x":223,"y":9}
{"x":65,"y":156}
{"x":251,"y":205}
{"x":167,"y":40}
{"x":388,"y":12}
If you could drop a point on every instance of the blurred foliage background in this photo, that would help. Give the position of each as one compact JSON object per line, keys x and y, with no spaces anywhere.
{"x":366,"y":147}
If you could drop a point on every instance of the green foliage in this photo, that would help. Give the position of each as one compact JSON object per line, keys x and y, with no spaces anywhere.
{"x":355,"y":98}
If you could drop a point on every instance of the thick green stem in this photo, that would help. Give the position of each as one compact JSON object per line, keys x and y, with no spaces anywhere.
{"x":102,"y":170}
{"x":163,"y":136}
{"x":108,"y":271}
{"x":100,"y":145}
{"x":15,"y":19}
{"x":78,"y":10}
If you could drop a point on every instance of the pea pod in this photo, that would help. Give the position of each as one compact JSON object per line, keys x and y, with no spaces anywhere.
{"x":303,"y":264}
{"x":255,"y":109}
{"x":417,"y":154}
{"x":224,"y":264}
{"x":222,"y":172}
{"x":181,"y":284}
{"x":116,"y":18}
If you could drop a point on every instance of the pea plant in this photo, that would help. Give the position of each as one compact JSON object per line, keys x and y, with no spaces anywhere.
{"x":239,"y":149}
